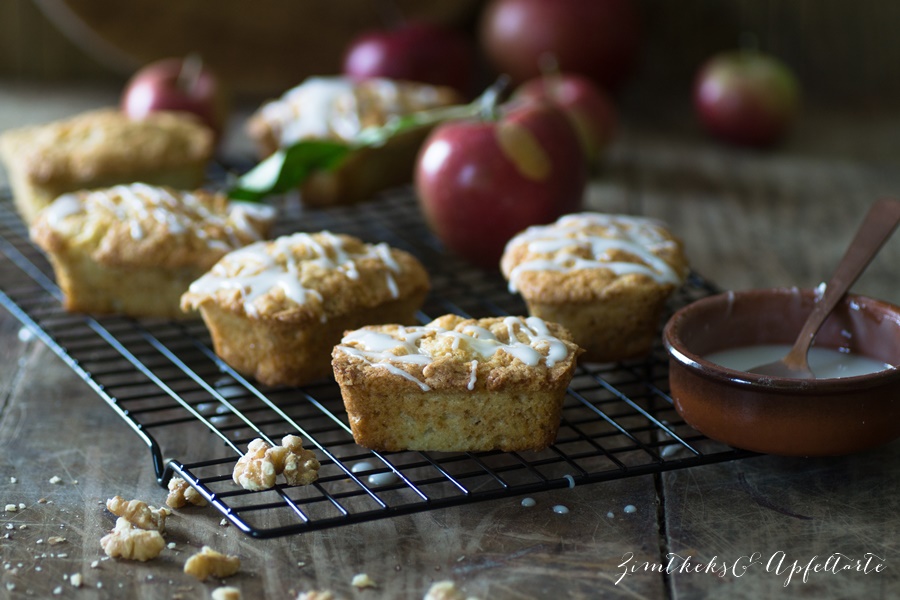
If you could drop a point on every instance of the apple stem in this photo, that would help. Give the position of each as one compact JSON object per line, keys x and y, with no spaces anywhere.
{"x":490,"y":99}
{"x":549,"y":68}
{"x":191,"y":67}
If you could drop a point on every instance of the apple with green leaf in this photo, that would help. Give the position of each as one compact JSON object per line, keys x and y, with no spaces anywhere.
{"x":746,"y":97}
{"x":481,"y":180}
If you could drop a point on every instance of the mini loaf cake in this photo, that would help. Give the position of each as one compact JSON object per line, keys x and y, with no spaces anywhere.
{"x":276,"y":309}
{"x":339,"y":109}
{"x":103,"y":148}
{"x":456,"y":384}
{"x":135,"y":249}
{"x":604,"y":277}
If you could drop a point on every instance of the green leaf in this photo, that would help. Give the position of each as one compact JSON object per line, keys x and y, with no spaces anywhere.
{"x":288,"y":168}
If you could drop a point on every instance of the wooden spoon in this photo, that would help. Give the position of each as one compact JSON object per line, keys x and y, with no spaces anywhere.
{"x":876,"y":228}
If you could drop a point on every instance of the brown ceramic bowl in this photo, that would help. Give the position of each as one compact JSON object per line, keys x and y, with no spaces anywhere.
{"x":791,"y":417}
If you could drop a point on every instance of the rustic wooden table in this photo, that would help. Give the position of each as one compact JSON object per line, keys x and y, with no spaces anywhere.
{"x":748,"y":219}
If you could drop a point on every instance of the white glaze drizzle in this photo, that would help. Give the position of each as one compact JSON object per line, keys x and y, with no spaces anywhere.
{"x":273,"y":265}
{"x":403,"y":345}
{"x":563,"y":241}
{"x":328,"y":107}
{"x":179,"y":215}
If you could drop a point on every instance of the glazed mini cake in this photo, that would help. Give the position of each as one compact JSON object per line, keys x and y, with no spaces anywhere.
{"x":276,"y":309}
{"x":604,"y":277}
{"x":339,"y":109}
{"x":103,"y":148}
{"x":135,"y":249}
{"x":456,"y":384}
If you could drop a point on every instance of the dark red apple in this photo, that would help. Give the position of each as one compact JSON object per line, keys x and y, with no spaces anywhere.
{"x":587,"y":106}
{"x":414,"y":51}
{"x":596,"y":38}
{"x":481,"y":181}
{"x":746,"y":97}
{"x":179,"y":85}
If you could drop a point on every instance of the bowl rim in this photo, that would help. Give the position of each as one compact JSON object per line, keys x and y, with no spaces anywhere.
{"x":678,"y":352}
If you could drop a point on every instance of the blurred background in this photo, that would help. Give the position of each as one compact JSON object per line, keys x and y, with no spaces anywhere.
{"x":844,"y":54}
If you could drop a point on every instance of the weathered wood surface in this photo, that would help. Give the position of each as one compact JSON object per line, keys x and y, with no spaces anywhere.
{"x":748,"y":219}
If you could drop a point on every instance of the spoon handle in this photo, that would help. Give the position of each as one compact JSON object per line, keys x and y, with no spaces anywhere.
{"x":876,"y":228}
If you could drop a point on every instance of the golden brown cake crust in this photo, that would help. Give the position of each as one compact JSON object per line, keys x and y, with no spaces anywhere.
{"x":305,"y":277}
{"x":139,"y":226}
{"x":456,"y":384}
{"x":276,"y":309}
{"x":105,"y":144}
{"x":605,"y":277}
{"x":587,"y":256}
{"x":135,"y":249}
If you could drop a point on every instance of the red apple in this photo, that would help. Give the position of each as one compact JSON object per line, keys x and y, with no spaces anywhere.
{"x":414,"y":51}
{"x":587,"y":106}
{"x":596,"y":38}
{"x":746,"y":97}
{"x":179,"y":85}
{"x":480,"y":181}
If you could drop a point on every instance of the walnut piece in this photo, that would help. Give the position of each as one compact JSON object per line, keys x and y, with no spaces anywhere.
{"x":226,"y":593}
{"x":138,"y":513}
{"x":316,"y":595}
{"x":445,"y":590}
{"x":131,"y":543}
{"x":362,"y":580}
{"x":209,"y":563}
{"x":259,"y":467}
{"x":181,"y":494}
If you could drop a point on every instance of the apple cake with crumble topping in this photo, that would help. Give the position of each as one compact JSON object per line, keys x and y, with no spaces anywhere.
{"x":102,"y":148}
{"x":456,"y":384}
{"x":606,"y":278}
{"x":275,"y":309}
{"x":135,"y":249}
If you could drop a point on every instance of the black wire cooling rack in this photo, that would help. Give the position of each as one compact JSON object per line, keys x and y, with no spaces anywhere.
{"x":197,"y":415}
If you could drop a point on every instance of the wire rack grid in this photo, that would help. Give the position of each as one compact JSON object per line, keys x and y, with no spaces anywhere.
{"x":196,"y":414}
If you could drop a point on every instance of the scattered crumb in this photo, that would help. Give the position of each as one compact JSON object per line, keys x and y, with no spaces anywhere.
{"x":76,"y":579}
{"x":56,"y":479}
{"x":11,"y":508}
{"x":40,"y":541}
{"x":301,"y":564}
{"x":95,"y":564}
{"x":22,"y":506}
{"x":10,"y":526}
{"x":170,"y":545}
{"x":57,"y":590}
{"x":13,"y":480}
{"x":42,"y":501}
{"x":362,"y":580}
{"x":62,"y":555}
{"x":54,"y":540}
{"x":226,"y":593}
{"x":224,"y":522}
{"x":208,"y":563}
{"x":22,"y":526}
{"x":10,"y":586}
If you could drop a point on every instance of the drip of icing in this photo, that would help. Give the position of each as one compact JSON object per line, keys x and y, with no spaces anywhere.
{"x":179,"y":215}
{"x":273,"y":265}
{"x":566,"y":240}
{"x":403,"y":346}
